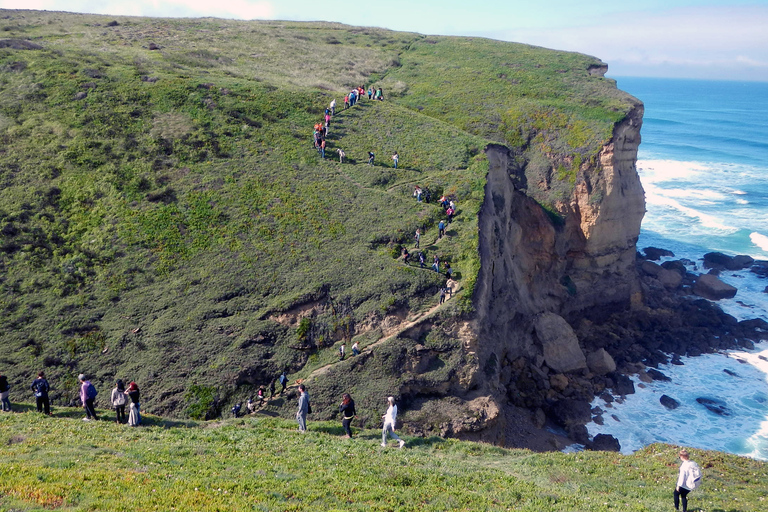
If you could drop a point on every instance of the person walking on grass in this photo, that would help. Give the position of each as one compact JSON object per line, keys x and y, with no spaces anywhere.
{"x":688,"y":479}
{"x":417,"y":237}
{"x":5,"y":390}
{"x":304,"y":409}
{"x":436,"y":263}
{"x":342,"y":352}
{"x":442,"y":295}
{"x":440,"y":230}
{"x":370,"y":158}
{"x":395,"y":158}
{"x":118,"y":400}
{"x":422,"y":259}
{"x":355,"y":349}
{"x":283,"y":380}
{"x":333,"y":107}
{"x":342,"y":154}
{"x":134,"y":416}
{"x":390,"y":418}
{"x":271,"y":390}
{"x":87,"y":396}
{"x":346,"y":102}
{"x":348,"y":413}
{"x":40,"y":387}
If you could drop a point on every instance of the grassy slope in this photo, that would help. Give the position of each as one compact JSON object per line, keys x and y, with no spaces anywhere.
{"x":153,"y":229}
{"x":263,"y":464}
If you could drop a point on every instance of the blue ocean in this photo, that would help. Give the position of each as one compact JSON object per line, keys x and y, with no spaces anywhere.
{"x":703,"y":163}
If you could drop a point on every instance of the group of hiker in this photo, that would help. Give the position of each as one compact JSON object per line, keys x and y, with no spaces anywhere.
{"x":343,"y":350}
{"x":321,"y":129}
{"x":121,"y":397}
{"x":254,"y":404}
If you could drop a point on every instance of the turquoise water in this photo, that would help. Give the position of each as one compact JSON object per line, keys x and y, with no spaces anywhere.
{"x":703,"y":163}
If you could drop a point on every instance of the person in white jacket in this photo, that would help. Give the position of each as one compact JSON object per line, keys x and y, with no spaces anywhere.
{"x":389,"y":423}
{"x":682,"y":488}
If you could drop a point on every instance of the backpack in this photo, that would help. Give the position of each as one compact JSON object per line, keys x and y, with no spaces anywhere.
{"x":120,"y":398}
{"x":91,"y":392}
{"x":41,"y":388}
{"x":694,"y":476}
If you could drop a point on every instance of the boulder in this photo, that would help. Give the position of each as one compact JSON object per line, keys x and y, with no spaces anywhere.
{"x":669,"y":402}
{"x":654,"y":253}
{"x":623,"y":385}
{"x":740,"y":262}
{"x":676,"y":265}
{"x":651,"y":268}
{"x":558,"y":381}
{"x":717,"y":260}
{"x":604,"y":443}
{"x":669,"y":278}
{"x":571,"y":412}
{"x":712,"y":288}
{"x":760,"y":268}
{"x":560,"y":345}
{"x":657,"y":375}
{"x":715,"y":405}
{"x":600,"y":362}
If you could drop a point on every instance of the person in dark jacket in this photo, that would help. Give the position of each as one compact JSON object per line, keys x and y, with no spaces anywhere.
{"x":4,"y":392}
{"x":348,"y":413}
{"x":134,"y":416}
{"x":40,"y":387}
{"x":301,"y":414}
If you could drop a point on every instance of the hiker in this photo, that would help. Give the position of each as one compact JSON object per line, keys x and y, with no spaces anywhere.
{"x":448,"y":270}
{"x":360,"y":92}
{"x":406,"y":255}
{"x":118,"y":400}
{"x":5,"y":390}
{"x":342,"y":154}
{"x":40,"y":387}
{"x":271,"y":389}
{"x":687,"y":480}
{"x":348,"y":413}
{"x":250,"y":405}
{"x":440,"y":230}
{"x":283,"y":380}
{"x":379,"y":95}
{"x":87,"y":396}
{"x":352,"y":97}
{"x":322,"y":152}
{"x":422,"y":259}
{"x":417,"y":193}
{"x":395,"y":157}
{"x":355,"y":349}
{"x":134,"y":416}
{"x":304,"y":408}
{"x":370,"y":93}
{"x":346,"y":102}
{"x":260,"y":393}
{"x":436,"y":264}
{"x":442,"y":295}
{"x":449,"y":212}
{"x":236,"y":410}
{"x":342,"y":353}
{"x":370,"y":158}
{"x":417,"y":237}
{"x":389,"y":424}
{"x":449,"y":287}
{"x":333,"y":107}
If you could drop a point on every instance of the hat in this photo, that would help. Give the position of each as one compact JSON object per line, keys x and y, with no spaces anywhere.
{"x":81,"y":376}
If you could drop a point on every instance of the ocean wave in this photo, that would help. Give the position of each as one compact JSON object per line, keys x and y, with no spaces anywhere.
{"x":657,"y":196}
{"x":759,"y":240}
{"x":665,"y":170}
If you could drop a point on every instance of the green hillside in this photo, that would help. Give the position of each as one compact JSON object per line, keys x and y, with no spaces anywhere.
{"x":259,"y":463}
{"x":164,"y":217}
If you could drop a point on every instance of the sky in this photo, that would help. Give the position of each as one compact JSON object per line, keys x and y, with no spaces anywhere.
{"x":710,"y":39}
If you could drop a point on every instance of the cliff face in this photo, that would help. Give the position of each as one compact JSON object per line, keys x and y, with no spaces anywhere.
{"x":535,"y":272}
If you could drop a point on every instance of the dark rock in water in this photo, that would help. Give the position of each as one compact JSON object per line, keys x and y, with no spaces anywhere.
{"x":765,"y":290}
{"x":717,"y":260}
{"x":657,"y":375}
{"x":655,"y":254}
{"x":763,"y":358}
{"x":712,"y":288}
{"x":570,"y":412}
{"x":604,"y":443}
{"x":675,"y":265}
{"x":651,"y":268}
{"x":731,"y":373}
{"x":607,"y":398}
{"x":760,"y":268}
{"x":740,"y":262}
{"x":754,"y":323}
{"x":578,"y":433}
{"x":716,"y":406}
{"x":676,"y":361}
{"x":669,"y":402}
{"x":714,"y":272}
{"x":747,"y":344}
{"x":623,"y":384}
{"x":616,"y":418}
{"x":598,"y":419}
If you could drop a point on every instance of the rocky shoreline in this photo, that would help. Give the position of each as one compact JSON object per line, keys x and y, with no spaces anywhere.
{"x":677,"y":317}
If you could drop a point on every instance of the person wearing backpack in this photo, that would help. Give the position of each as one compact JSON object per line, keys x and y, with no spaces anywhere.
{"x":40,"y":387}
{"x":118,"y":401}
{"x":4,"y":392}
{"x":87,"y":396}
{"x":688,"y":479}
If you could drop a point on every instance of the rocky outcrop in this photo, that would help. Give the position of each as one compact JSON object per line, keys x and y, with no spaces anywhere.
{"x":600,"y":362}
{"x":710,"y":287}
{"x":560,"y":345}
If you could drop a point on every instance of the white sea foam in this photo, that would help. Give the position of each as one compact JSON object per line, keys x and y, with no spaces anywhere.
{"x":759,"y":240}
{"x":641,"y":419}
{"x":742,"y":201}
{"x":666,"y":170}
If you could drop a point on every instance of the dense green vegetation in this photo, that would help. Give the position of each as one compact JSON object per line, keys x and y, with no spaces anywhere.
{"x":260,"y":463}
{"x":163,"y":213}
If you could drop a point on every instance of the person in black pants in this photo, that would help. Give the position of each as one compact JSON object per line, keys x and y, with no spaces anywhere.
{"x":119,"y":400}
{"x":4,"y":391}
{"x":40,"y":387}
{"x":348,"y":413}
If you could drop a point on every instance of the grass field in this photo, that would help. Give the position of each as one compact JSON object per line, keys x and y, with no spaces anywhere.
{"x":262,"y":463}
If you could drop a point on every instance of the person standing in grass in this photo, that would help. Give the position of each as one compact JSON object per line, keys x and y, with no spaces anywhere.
{"x":118,"y":401}
{"x":134,"y":417}
{"x":417,"y":237}
{"x":395,"y":157}
{"x":370,"y":93}
{"x":686,"y":480}
{"x":348,"y":413}
{"x":346,"y":102}
{"x":5,"y":390}
{"x":333,"y":107}
{"x":40,"y":387}
{"x":370,"y":157}
{"x":304,"y":408}
{"x":342,"y":154}
{"x":389,"y":424}
{"x":87,"y":396}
